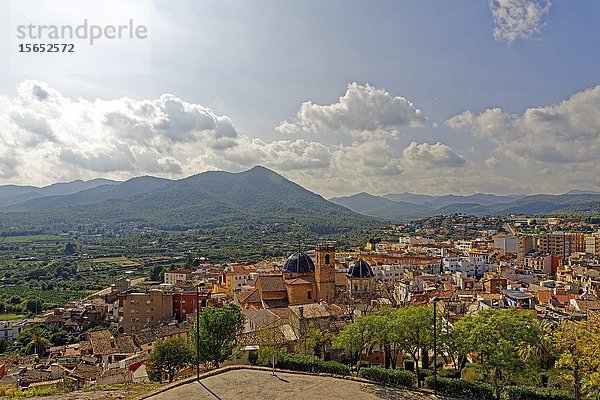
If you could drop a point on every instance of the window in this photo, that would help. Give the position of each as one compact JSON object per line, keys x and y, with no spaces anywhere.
{"x":309,"y":294}
{"x":327,"y":259}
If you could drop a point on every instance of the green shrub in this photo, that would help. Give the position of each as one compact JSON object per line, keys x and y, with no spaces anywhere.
{"x":395,"y":377}
{"x":448,"y":373}
{"x":460,"y":388}
{"x":298,"y":362}
{"x":424,"y":373}
{"x":531,"y":393}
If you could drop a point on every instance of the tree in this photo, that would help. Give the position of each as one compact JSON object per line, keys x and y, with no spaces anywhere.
{"x":169,"y":356}
{"x":356,"y":337}
{"x":578,"y":345}
{"x":38,"y":345}
{"x":34,"y":306}
{"x":157,"y":273}
{"x":541,"y":354}
{"x":219,"y":329}
{"x":414,"y":327}
{"x":496,"y":339}
{"x":70,"y":249}
{"x":388,"y":335}
{"x":4,"y":345}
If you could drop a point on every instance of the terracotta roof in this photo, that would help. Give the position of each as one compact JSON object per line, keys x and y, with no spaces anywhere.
{"x":317,"y":310}
{"x":271,"y":283}
{"x":85,"y":346}
{"x":102,"y":342}
{"x":283,"y":313}
{"x":249,"y":296}
{"x":564,"y":298}
{"x":144,"y":337}
{"x":114,"y":372}
{"x":150,"y":335}
{"x":304,"y":280}
{"x":244,"y":269}
{"x":276,"y":303}
{"x":543,"y":296}
{"x":33,"y":375}
{"x":585,"y":305}
{"x":163,"y":331}
{"x":125,"y":344}
{"x":261,"y":318}
{"x":86,"y":372}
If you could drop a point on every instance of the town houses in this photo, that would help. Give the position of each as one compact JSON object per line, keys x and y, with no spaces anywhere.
{"x":555,"y":274}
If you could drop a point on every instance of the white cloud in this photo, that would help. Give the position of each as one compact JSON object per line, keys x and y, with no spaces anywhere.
{"x":427,"y":155}
{"x":363,"y":108}
{"x":514,"y":19}
{"x":492,"y":162}
{"x":47,"y":137}
{"x":567,"y":132}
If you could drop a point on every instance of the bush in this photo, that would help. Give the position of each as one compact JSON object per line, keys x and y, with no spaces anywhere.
{"x":460,"y":388}
{"x":424,"y":373}
{"x":448,"y":373}
{"x":395,"y":377}
{"x":531,"y":393}
{"x":298,"y":362}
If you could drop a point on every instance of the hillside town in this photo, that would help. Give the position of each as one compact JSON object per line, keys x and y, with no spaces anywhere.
{"x":545,"y":266}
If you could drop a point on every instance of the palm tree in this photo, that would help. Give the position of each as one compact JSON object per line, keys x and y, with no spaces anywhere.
{"x":542,"y":352}
{"x":38,"y":344}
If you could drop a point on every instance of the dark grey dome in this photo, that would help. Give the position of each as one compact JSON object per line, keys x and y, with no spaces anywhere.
{"x":360,"y":269}
{"x":299,"y":263}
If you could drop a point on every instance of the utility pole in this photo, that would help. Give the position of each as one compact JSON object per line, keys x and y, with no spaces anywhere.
{"x":435,"y":301}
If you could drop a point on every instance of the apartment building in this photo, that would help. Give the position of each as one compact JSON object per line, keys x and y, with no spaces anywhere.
{"x":138,"y":311}
{"x":179,"y":275}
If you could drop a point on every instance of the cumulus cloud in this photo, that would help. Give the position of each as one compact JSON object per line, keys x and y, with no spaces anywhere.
{"x":363,"y":108}
{"x":514,"y":19}
{"x":431,"y":155}
{"x":56,"y":137}
{"x":567,"y":132}
{"x":47,"y":137}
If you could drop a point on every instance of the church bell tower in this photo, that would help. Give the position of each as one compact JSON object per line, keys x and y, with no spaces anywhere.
{"x":325,"y":271}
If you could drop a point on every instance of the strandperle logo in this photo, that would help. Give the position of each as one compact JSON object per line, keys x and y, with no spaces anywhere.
{"x":90,"y":32}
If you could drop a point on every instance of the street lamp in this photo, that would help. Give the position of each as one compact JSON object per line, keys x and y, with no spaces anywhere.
{"x":435,"y":301}
{"x":198,"y":330}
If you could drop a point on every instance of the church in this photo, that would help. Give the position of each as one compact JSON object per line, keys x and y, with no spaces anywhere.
{"x":304,"y":281}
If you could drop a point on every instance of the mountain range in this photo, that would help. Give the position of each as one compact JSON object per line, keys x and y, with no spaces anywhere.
{"x":209,"y":199}
{"x":407,"y":206}
{"x":258,"y":196}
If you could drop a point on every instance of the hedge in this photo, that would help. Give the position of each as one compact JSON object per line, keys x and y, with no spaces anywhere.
{"x":395,"y":377}
{"x":298,"y":362}
{"x":531,"y":393}
{"x":460,"y":388}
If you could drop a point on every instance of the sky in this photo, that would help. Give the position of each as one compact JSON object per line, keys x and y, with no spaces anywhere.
{"x":340,"y":96}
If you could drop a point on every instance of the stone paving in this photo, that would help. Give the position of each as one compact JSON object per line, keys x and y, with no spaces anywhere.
{"x":260,"y":384}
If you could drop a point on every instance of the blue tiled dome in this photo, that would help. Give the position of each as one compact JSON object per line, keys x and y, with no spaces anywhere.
{"x":360,"y":269}
{"x":299,"y":263}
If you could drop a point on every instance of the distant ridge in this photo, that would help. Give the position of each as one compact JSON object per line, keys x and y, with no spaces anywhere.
{"x":256,"y":196}
{"x":400,"y":207}
{"x":209,"y":199}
